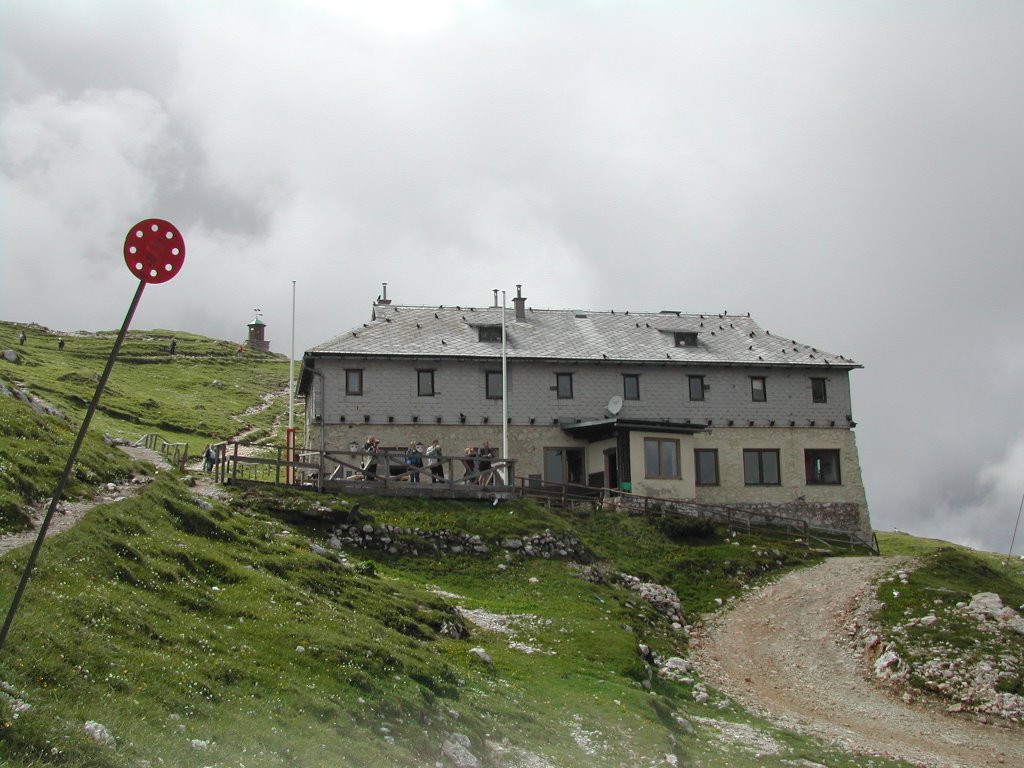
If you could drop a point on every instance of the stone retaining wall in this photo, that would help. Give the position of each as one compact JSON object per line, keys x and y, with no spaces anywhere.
{"x":397,"y":540}
{"x":837,"y":515}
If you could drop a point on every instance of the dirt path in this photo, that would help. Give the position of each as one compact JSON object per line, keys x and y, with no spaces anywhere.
{"x":783,"y":652}
{"x":266,"y":400}
{"x":70,"y":512}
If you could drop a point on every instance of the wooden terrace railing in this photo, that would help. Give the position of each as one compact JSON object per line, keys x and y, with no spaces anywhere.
{"x":351,"y":472}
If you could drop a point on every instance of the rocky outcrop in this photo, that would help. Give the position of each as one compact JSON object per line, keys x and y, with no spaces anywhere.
{"x":988,"y":607}
{"x":100,"y":734}
{"x":664,"y":599}
{"x":986,"y":685}
{"x":34,"y":403}
{"x":455,"y":752}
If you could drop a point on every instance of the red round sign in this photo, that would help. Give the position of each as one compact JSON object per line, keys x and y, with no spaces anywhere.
{"x":154,"y":250}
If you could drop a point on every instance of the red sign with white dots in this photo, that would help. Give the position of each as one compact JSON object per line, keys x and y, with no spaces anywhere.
{"x":154,"y":250}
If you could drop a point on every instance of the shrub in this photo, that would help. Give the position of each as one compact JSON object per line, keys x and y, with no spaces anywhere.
{"x":687,"y":529}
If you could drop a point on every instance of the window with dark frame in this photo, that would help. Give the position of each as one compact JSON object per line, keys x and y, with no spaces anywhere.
{"x":489,"y":332}
{"x":705,"y":465}
{"x":822,"y":466}
{"x":696,"y":387}
{"x":630,"y":386}
{"x":661,"y":458}
{"x":761,"y":466}
{"x":425,"y":383}
{"x":492,"y":385}
{"x":563,"y":386}
{"x":353,"y":381}
{"x":819,"y":390}
{"x":758,"y":389}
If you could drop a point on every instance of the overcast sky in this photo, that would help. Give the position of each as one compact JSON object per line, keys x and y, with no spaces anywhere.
{"x":850,"y":173}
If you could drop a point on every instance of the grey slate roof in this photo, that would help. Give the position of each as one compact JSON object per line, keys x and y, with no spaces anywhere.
{"x":559,"y":334}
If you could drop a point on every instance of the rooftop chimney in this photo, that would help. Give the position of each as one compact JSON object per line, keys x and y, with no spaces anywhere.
{"x":383,"y":298}
{"x":495,"y":297}
{"x":519,"y":302}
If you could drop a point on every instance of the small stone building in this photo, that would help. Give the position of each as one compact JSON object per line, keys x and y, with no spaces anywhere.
{"x":257,"y":331}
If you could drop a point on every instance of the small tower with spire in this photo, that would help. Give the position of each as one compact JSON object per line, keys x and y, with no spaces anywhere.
{"x":257,"y":329}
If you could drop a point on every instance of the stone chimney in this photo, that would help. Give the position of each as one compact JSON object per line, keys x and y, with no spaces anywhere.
{"x":519,"y":302}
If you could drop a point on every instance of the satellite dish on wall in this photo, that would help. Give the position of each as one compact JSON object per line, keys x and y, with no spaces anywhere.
{"x":615,"y":405}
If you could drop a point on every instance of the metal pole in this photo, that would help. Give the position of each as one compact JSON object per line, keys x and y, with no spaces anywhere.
{"x":323,"y":418}
{"x":291,"y":369}
{"x":1013,"y":538}
{"x":59,"y":490}
{"x":504,"y":394}
{"x":290,"y":439}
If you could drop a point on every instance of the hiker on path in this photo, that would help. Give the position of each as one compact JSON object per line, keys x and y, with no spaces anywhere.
{"x":434,"y":458}
{"x":173,"y":347}
{"x":209,"y":459}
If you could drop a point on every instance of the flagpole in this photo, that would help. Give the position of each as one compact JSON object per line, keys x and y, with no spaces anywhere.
{"x":291,"y":369}
{"x":504,"y":393}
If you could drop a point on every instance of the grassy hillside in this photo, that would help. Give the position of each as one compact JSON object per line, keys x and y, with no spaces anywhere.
{"x":206,"y":391}
{"x":33,"y":452}
{"x":206,"y":633}
{"x":199,"y":394}
{"x":228,"y":631}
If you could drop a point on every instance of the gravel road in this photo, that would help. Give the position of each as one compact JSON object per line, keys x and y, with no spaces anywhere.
{"x":783,"y":651}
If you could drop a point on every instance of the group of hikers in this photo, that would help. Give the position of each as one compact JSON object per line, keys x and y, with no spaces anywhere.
{"x":23,"y":337}
{"x":411,"y":465}
{"x":476,"y":462}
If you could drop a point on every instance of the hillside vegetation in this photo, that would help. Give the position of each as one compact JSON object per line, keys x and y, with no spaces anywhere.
{"x":228,"y":627}
{"x":205,"y":392}
{"x":215,"y":633}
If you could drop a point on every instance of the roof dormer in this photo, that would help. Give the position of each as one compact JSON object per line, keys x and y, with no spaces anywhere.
{"x":489,"y":332}
{"x":685,"y":338}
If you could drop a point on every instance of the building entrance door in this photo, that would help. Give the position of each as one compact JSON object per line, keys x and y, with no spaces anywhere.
{"x":563,"y":465}
{"x":611,"y":468}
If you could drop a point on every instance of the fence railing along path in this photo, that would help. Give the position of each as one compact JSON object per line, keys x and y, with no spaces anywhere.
{"x":734,"y":518}
{"x":175,"y":454}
